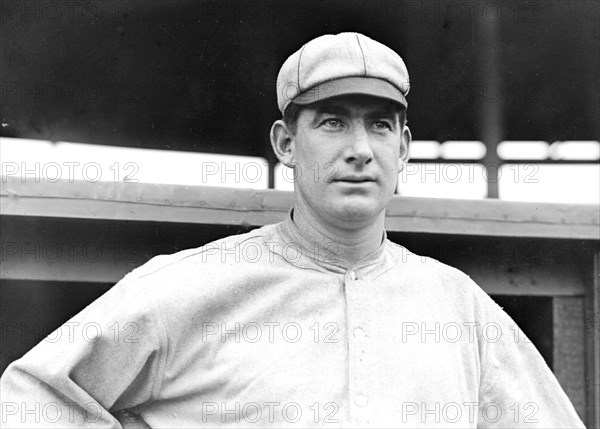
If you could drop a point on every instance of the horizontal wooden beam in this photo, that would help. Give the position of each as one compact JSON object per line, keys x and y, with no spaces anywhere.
{"x":100,"y":251}
{"x":101,"y":267}
{"x":232,"y":206}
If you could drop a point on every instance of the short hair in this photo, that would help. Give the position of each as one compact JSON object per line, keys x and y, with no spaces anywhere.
{"x":292,"y":113}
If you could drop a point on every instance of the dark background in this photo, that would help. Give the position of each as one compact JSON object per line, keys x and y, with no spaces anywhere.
{"x":200,"y":75}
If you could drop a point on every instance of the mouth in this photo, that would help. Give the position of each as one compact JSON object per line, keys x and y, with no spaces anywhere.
{"x":355,"y":179}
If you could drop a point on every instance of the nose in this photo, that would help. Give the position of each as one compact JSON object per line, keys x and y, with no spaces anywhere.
{"x":359,"y":150}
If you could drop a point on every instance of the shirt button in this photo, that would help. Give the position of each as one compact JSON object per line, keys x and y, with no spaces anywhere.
{"x":361,"y":400}
{"x":359,"y":333}
{"x":353,"y":275}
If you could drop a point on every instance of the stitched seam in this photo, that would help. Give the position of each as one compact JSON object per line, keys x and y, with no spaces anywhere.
{"x":283,"y":258}
{"x":362,"y":53}
{"x":196,"y":253}
{"x":299,"y":60}
{"x":158,"y":382}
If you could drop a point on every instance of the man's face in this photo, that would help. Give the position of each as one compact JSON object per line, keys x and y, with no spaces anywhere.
{"x":346,"y":152}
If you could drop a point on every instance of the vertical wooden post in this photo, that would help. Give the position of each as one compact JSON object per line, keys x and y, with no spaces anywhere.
{"x":592,"y":330}
{"x":569,"y":349}
{"x":490,"y":104}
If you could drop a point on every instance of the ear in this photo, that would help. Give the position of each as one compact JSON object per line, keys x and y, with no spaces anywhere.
{"x":405,"y":140}
{"x":282,"y":141}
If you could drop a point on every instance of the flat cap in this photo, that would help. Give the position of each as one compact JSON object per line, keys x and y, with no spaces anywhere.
{"x":345,"y":63}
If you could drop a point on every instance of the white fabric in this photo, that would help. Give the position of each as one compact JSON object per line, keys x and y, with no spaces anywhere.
{"x":268,"y":328}
{"x":330,"y":57}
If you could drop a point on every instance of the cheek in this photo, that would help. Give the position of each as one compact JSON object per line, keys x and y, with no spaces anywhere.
{"x":389,"y":159}
{"x":316,"y":160}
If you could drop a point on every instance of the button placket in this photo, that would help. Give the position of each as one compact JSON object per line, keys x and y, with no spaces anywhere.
{"x":358,"y":340}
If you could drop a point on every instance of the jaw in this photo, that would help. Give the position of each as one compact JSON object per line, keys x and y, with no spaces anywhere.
{"x":341,"y":210}
{"x":355,"y":209}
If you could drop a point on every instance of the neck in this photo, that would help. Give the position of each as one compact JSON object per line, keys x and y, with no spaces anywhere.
{"x":351,"y":245}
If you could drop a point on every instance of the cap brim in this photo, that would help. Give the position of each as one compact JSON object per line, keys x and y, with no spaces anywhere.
{"x":349,"y":86}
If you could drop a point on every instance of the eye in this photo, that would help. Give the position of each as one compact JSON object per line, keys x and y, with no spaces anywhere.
{"x":332,"y":122}
{"x":382,"y":125}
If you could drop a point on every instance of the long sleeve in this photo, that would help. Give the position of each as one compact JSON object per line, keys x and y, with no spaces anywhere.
{"x":517,"y":387}
{"x":107,"y":357}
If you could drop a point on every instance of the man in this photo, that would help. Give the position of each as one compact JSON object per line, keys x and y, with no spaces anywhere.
{"x":316,"y":321}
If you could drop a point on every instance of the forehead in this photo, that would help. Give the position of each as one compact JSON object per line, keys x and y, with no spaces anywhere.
{"x":354,"y":105}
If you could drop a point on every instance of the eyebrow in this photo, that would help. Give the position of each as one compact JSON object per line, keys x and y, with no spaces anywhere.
{"x":341,"y":110}
{"x":387,"y":113}
{"x":332,"y":108}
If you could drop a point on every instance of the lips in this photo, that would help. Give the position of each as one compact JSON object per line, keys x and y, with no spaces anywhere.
{"x":355,"y":179}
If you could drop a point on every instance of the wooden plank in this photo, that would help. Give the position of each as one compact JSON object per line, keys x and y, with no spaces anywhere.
{"x":569,"y":349}
{"x":494,"y":218}
{"x":592,"y":329}
{"x":512,"y":277}
{"x":229,"y":206}
{"x":83,"y":250}
{"x":96,"y":264}
{"x":508,"y":265}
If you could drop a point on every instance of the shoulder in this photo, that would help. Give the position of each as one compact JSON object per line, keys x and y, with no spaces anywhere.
{"x":197,"y":277}
{"x":421,"y":265}
{"x":431,"y":276}
{"x":233,"y":250}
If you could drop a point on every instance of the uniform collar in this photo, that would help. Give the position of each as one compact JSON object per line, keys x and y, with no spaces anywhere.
{"x":313,"y":250}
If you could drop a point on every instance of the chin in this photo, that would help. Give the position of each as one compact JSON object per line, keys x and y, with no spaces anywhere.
{"x":356,"y":211}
